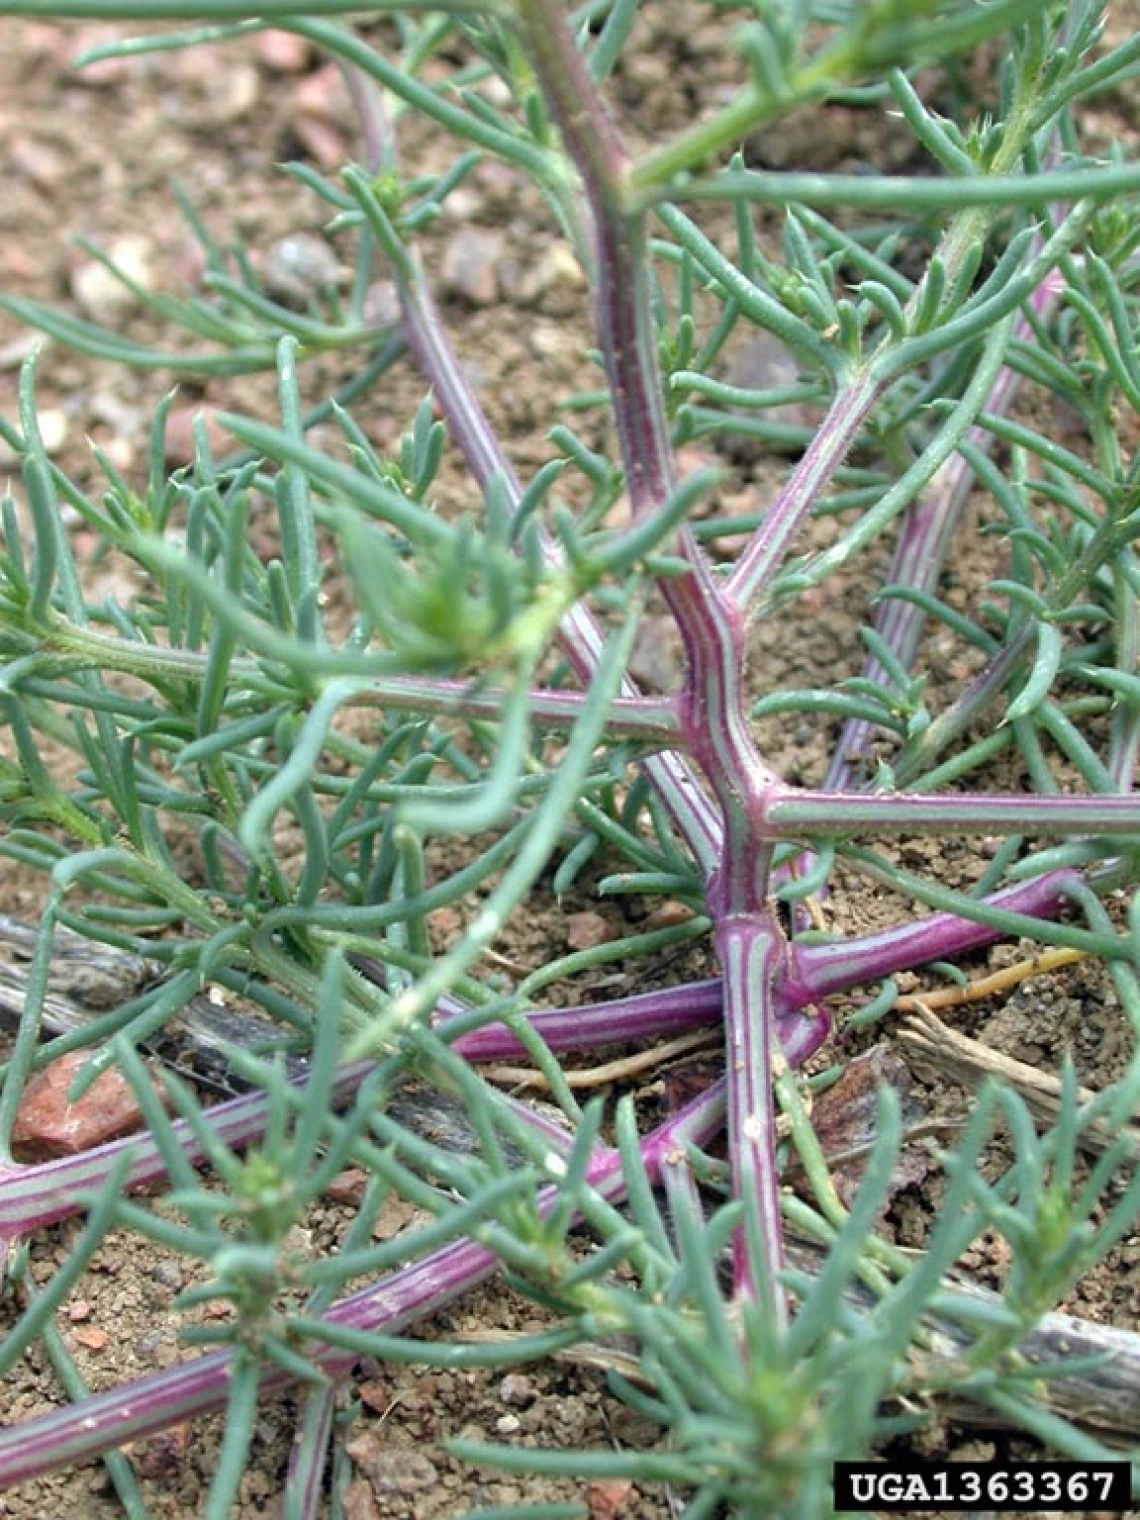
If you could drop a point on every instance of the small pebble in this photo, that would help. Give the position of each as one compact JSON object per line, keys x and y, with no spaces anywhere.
{"x":323,"y":143}
{"x":168,"y":1274}
{"x":212,"y":89}
{"x":234,"y":95}
{"x":149,"y":1346}
{"x":516,"y":1388}
{"x":299,"y":267}
{"x":90,"y":1338}
{"x":608,"y":1498}
{"x":375,"y":1394}
{"x":669,"y":915}
{"x":323,"y":117}
{"x":348,"y":1187}
{"x":283,"y":52}
{"x":382,"y":304}
{"x":324,"y":97}
{"x":179,"y":438}
{"x":470,"y":268}
{"x":99,"y":294}
{"x":586,"y":930}
{"x":550,"y":341}
{"x":464,"y":204}
{"x":54,"y":429}
{"x":555,"y":283}
{"x":38,"y":162}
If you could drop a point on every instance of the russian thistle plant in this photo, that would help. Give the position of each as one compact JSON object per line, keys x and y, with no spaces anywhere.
{"x":492,"y":651}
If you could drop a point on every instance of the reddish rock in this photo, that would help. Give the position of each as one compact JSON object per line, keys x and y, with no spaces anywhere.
{"x":179,"y":441}
{"x":327,"y":147}
{"x":669,"y":915}
{"x":585,"y":930}
{"x":283,"y":52}
{"x":606,"y":1498}
{"x":323,"y":119}
{"x":348,"y":1186}
{"x":323,"y":96}
{"x":375,"y":1394}
{"x":48,"y":1125}
{"x":90,"y":1338}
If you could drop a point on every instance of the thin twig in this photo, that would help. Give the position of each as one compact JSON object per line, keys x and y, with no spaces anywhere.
{"x":931,"y":1043}
{"x":619,"y":1070}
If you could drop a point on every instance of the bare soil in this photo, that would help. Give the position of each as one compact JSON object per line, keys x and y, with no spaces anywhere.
{"x":94,"y":155}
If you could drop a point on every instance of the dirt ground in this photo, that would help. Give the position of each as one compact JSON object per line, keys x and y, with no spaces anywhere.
{"x":95,"y":155}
